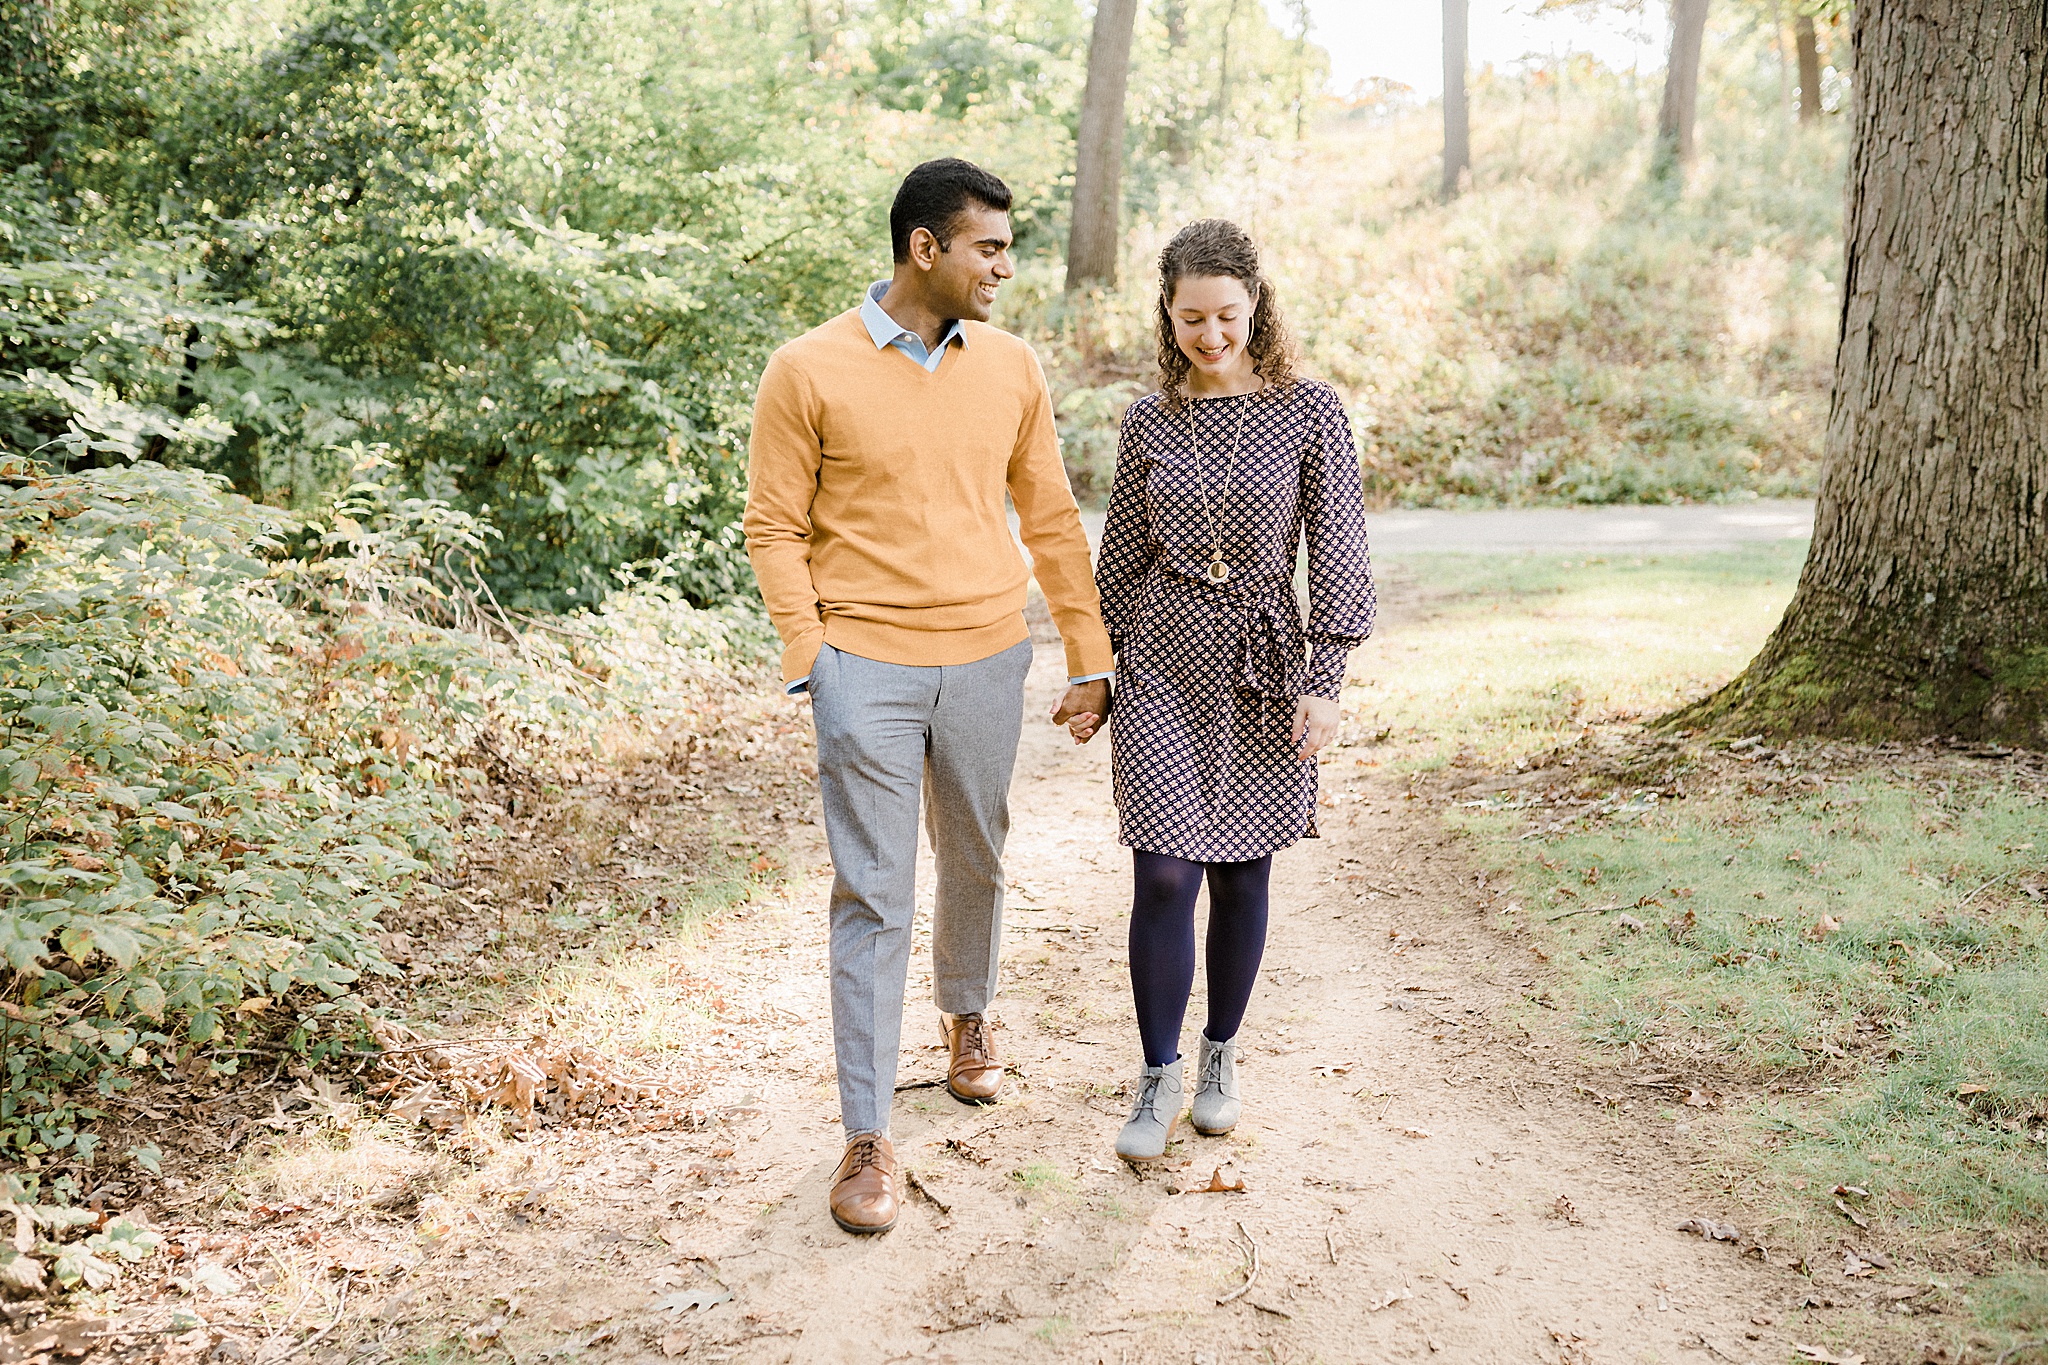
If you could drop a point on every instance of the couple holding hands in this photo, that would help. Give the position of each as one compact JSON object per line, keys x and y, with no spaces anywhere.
{"x":884,"y":442}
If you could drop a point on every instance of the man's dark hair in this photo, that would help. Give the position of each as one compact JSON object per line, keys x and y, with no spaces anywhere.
{"x":935,"y":194}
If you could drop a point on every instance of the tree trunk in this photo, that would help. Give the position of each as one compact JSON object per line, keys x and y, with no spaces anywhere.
{"x":1682,"y":79}
{"x":1174,"y":13}
{"x":1223,"y":64}
{"x":1457,"y":113}
{"x":1809,"y":68}
{"x":1923,"y":607}
{"x":1099,"y":148}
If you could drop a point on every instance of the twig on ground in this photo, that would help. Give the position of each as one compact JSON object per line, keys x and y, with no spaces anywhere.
{"x":1987,"y":886}
{"x":340,"y":1305}
{"x":1330,"y":1241}
{"x":1251,"y":1277}
{"x":920,"y":1085}
{"x":910,"y":1178}
{"x":1264,"y":1308}
{"x":1585,"y":910}
{"x":2013,"y":1352}
{"x":430,"y":1046}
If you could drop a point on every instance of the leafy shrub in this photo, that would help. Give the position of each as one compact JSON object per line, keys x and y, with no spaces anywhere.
{"x":219,"y":766}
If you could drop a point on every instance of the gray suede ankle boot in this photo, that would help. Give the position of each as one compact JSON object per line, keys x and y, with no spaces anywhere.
{"x":1154,"y":1112}
{"x":1216,"y":1106}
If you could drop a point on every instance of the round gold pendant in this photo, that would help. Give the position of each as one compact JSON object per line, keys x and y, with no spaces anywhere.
{"x":1219,"y":572}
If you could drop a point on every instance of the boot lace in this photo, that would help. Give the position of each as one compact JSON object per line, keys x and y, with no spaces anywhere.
{"x":1212,"y":1070}
{"x":1148,"y":1097}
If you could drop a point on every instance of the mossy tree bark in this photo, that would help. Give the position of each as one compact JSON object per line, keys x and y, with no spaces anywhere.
{"x":1923,"y":606}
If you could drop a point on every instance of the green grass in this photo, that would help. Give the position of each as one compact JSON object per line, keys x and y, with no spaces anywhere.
{"x":1498,"y":659}
{"x":1859,"y":937}
{"x":1042,"y":1177}
{"x":1928,"y":1004}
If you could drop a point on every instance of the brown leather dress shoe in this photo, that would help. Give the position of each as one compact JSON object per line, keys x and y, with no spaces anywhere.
{"x":974,"y":1075}
{"x":864,"y":1187}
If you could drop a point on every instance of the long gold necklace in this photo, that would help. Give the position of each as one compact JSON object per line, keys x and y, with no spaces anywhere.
{"x":1219,"y":568}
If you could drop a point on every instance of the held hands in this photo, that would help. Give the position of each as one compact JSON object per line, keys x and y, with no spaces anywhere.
{"x":1081,"y":709}
{"x":1315,"y":724}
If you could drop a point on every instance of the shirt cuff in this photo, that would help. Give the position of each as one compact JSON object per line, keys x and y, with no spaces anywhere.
{"x":1092,"y":677}
{"x":802,"y":684}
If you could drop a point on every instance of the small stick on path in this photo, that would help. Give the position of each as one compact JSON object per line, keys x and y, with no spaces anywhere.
{"x":1250,"y":1278}
{"x":1585,"y":910}
{"x":910,"y":1178}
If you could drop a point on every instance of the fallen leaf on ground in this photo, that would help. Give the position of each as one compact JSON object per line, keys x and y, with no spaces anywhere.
{"x":1565,"y":1209}
{"x":1415,"y":1132}
{"x":1822,"y":927}
{"x":1404,"y":1292}
{"x":1858,"y":1219}
{"x":1973,"y":1089}
{"x":1629,"y":922}
{"x":1699,"y":1099}
{"x":675,"y":1343}
{"x":1715,"y":1231}
{"x":1218,"y":1185}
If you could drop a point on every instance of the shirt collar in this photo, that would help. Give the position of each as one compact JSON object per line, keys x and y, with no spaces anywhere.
{"x":884,"y":329}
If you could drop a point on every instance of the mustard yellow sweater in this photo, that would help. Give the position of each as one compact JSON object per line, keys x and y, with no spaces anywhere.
{"x":875,"y":517}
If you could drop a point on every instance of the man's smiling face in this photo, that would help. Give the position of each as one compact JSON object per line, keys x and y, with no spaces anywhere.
{"x":965,"y":277}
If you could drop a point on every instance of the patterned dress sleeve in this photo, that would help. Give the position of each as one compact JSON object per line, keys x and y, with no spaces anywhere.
{"x":1340,"y":590}
{"x":1127,"y":546}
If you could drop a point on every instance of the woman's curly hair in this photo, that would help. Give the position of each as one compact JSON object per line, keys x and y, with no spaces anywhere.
{"x":1217,"y":247}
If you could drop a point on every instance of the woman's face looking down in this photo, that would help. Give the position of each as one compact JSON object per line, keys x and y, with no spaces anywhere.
{"x":1212,"y":324}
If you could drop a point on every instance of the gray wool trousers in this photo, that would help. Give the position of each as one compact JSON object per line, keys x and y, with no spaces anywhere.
{"x":888,"y":734}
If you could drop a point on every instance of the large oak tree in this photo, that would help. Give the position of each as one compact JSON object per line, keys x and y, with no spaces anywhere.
{"x":1923,"y":607}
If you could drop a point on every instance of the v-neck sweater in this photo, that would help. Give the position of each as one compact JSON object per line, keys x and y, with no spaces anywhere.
{"x":875,"y":518}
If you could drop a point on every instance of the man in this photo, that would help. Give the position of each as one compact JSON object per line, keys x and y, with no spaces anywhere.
{"x":883,"y":444}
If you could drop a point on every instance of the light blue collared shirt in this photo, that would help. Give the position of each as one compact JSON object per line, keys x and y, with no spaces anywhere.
{"x":887,"y":333}
{"x":884,"y":330}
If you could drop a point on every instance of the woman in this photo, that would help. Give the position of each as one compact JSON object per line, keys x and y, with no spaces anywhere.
{"x":1223,"y":698}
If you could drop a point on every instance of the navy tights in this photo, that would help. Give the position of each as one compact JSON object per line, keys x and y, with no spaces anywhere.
{"x":1163,"y":945}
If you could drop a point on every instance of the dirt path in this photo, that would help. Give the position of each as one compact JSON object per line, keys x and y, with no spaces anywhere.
{"x":1423,"y":1181}
{"x":1576,"y":530}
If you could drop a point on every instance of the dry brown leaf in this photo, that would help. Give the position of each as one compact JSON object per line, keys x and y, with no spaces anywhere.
{"x":1699,"y":1099}
{"x":1565,"y":1209}
{"x":1218,"y":1185}
{"x":1822,"y":927}
{"x":675,"y":1343}
{"x":1415,"y":1132}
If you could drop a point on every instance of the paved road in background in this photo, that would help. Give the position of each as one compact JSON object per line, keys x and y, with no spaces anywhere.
{"x":1575,"y":530}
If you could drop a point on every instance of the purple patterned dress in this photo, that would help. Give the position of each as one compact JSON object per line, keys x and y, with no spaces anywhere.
{"x":1207,"y":674}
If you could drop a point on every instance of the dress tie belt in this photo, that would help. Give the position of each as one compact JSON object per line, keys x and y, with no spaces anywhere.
{"x":1268,"y":635}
